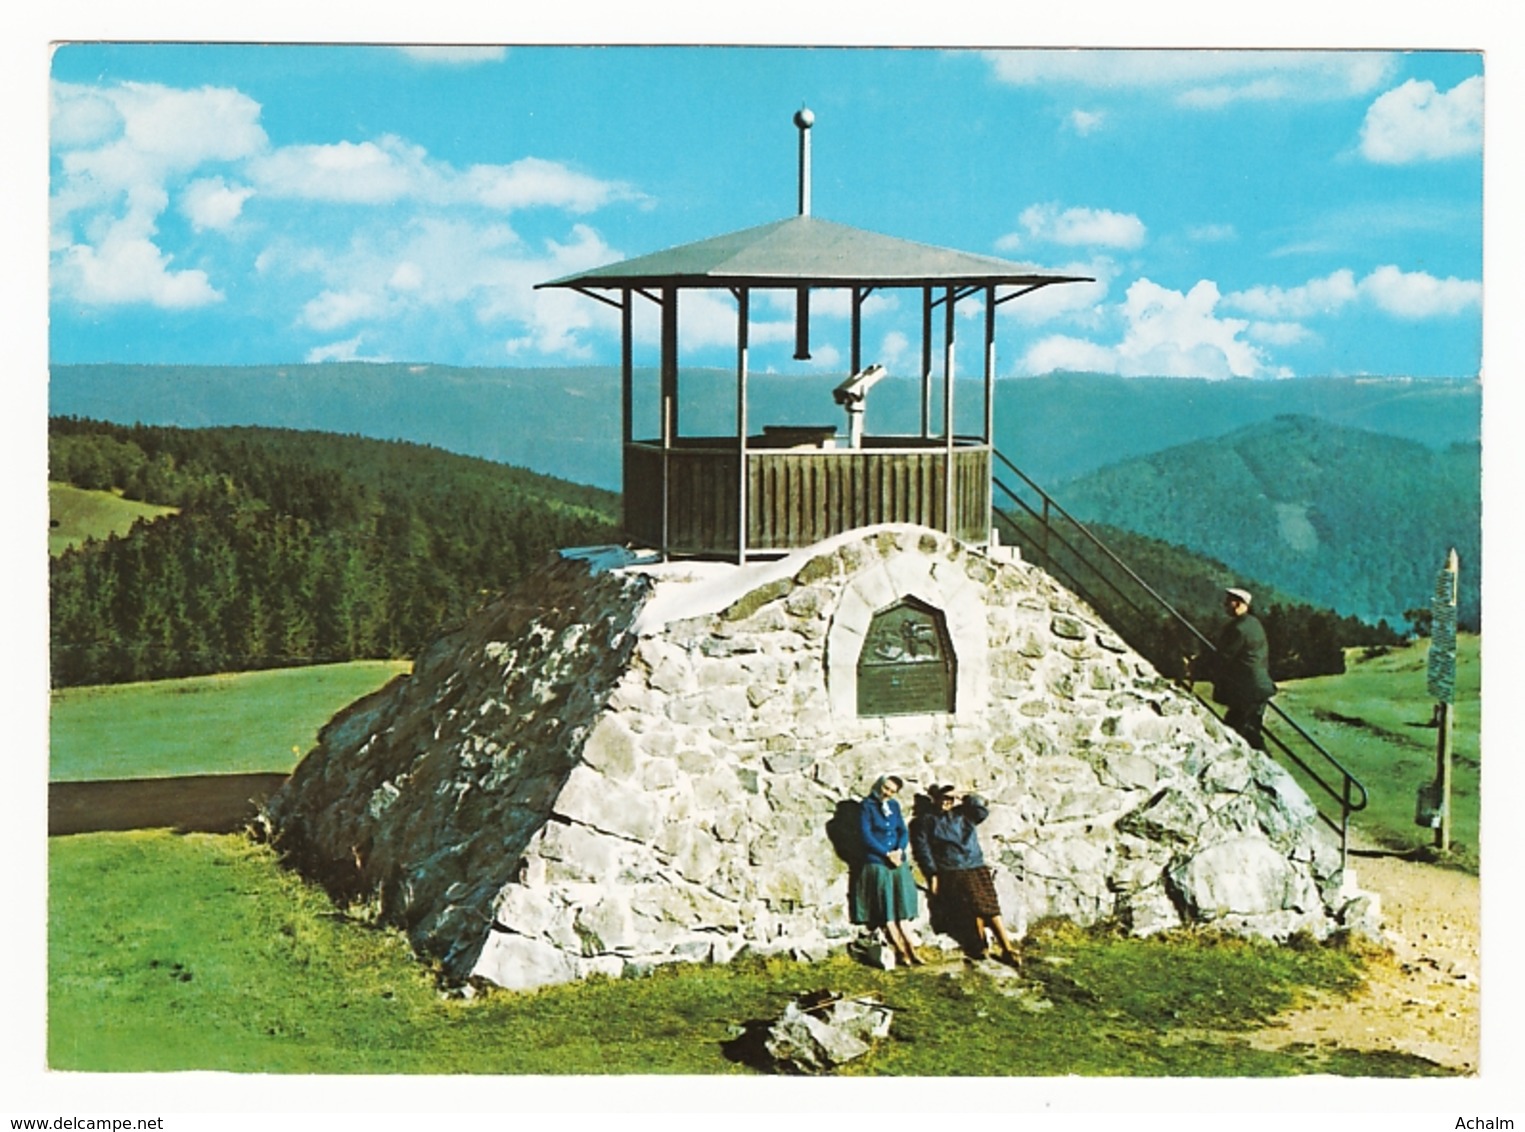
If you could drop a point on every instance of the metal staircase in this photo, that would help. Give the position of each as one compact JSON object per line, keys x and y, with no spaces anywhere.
{"x":1049,"y":536}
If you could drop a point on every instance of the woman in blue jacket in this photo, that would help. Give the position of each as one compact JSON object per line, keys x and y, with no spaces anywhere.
{"x":886,"y":893}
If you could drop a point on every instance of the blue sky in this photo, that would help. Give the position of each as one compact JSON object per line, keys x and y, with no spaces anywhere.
{"x":1245,"y":213}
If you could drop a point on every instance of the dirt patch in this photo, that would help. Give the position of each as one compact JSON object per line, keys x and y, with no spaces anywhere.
{"x":1422,"y":997}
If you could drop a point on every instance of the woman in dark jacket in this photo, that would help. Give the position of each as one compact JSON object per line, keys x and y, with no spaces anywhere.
{"x":886,"y":893}
{"x":947,"y":848}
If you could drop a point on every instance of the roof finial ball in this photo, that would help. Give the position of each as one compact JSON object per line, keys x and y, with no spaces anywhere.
{"x":804,"y":119}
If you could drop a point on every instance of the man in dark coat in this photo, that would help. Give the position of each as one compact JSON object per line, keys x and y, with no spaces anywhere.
{"x":1243,"y":675}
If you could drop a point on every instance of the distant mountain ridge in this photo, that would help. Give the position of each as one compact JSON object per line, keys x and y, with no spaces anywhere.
{"x":1316,"y":508}
{"x":1353,"y":520}
{"x":565,"y":422}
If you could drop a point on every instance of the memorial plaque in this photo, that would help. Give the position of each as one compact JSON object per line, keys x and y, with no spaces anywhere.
{"x":906,"y":666}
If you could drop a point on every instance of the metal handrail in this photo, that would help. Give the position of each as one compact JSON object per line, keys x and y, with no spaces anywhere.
{"x":1350,"y":794}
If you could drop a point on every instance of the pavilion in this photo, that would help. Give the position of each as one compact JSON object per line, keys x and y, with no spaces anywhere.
{"x":777,"y":489}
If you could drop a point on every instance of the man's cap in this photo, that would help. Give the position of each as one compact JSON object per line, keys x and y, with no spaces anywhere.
{"x":938,"y":793}
{"x":1239,"y":595}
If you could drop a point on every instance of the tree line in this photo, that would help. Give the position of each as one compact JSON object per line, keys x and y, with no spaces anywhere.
{"x":296,"y":547}
{"x":1304,"y":640}
{"x":289,"y":547}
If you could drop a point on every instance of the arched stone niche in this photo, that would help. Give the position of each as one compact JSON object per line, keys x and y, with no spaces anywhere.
{"x":907,"y":665}
{"x":921,"y":582}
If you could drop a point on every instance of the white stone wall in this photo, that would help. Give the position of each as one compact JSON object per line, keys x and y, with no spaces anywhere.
{"x":677,"y":776}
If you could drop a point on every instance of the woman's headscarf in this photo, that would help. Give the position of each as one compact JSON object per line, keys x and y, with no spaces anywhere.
{"x":874,"y":793}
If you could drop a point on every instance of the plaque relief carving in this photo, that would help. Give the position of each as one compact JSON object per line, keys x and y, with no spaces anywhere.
{"x":907,"y":664}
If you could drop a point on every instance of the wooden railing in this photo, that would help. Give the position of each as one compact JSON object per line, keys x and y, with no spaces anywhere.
{"x":797,"y":496}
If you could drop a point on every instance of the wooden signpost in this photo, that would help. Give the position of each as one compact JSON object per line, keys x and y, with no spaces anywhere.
{"x":1442,"y":687}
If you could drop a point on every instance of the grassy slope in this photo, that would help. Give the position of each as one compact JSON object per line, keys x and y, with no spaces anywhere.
{"x":254,"y":973}
{"x":1372,"y":719}
{"x":236,"y":723}
{"x":82,"y":515}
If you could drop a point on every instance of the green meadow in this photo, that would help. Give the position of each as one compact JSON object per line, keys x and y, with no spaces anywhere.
{"x":244,"y":722}
{"x":77,"y":514}
{"x":1375,"y":720}
{"x":255,"y":972}
{"x":194,"y":951}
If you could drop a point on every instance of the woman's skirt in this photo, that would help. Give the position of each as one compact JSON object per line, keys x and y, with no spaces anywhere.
{"x":884,"y":895}
{"x":969,"y":892}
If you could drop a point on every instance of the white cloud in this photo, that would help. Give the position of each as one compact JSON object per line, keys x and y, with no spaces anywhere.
{"x":350,"y":172}
{"x":186,"y":128}
{"x":345,"y":351}
{"x":1211,"y":233}
{"x":1416,"y":122}
{"x":333,"y":309}
{"x":826,"y":358}
{"x":162,"y":132}
{"x":212,"y":203}
{"x":707,"y":319}
{"x":1278,"y":333}
{"x":1317,"y":296}
{"x":1085,"y":122}
{"x":1073,"y":302}
{"x":391,"y":169}
{"x":1061,"y":352}
{"x":81,"y":116}
{"x":129,"y":139}
{"x":434,"y":268}
{"x":1202,"y":79}
{"x":1402,"y":294}
{"x":894,"y":349}
{"x":1417,"y":294}
{"x":1165,"y":333}
{"x":557,"y":319}
{"x":408,"y":277}
{"x":454,"y":56}
{"x":117,"y":148}
{"x":532,"y":182}
{"x":123,"y":151}
{"x":388,"y":273}
{"x":129,"y":268}
{"x":549,"y":341}
{"x":1275,"y":88}
{"x":1087,"y":227}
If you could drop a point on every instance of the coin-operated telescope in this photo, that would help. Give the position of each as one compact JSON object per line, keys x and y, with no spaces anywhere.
{"x":852,"y":394}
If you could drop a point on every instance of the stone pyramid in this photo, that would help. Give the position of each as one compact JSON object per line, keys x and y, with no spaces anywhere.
{"x":622,"y":765}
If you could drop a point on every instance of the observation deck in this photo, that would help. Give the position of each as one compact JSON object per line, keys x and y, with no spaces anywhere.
{"x":689,"y":498}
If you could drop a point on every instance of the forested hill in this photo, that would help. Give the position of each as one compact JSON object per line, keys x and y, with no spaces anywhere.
{"x":1352,"y":520}
{"x":290,"y":547}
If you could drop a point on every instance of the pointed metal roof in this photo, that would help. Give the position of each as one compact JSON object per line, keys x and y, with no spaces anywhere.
{"x":805,"y":251}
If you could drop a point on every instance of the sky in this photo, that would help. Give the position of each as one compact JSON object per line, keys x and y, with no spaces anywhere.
{"x":1245,"y":213}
